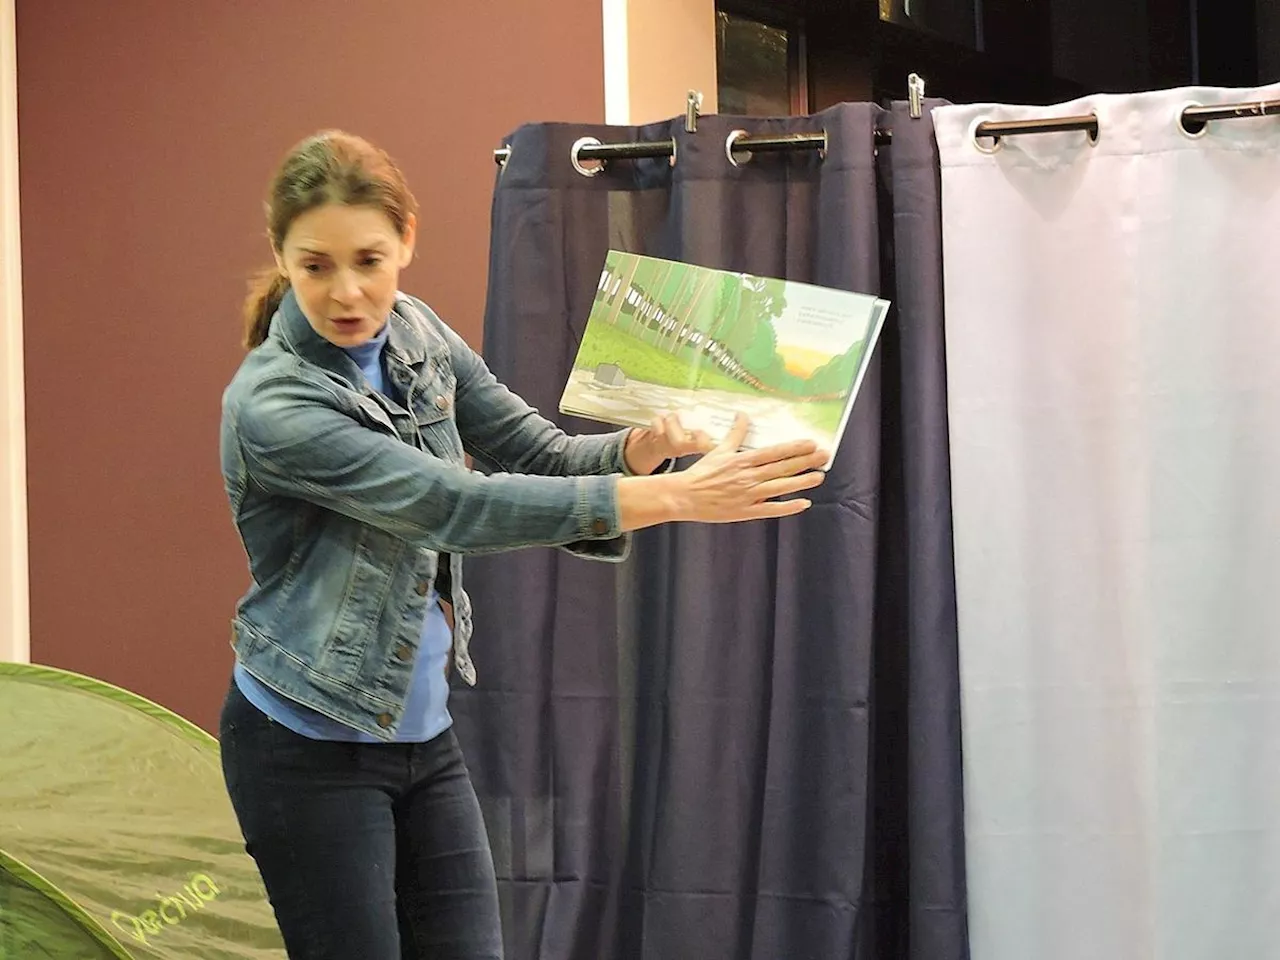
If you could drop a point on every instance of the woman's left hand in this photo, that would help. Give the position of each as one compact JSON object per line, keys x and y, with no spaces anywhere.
{"x":665,"y":439}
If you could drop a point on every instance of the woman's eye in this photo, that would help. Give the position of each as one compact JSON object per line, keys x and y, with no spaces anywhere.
{"x":312,"y":268}
{"x":372,"y":261}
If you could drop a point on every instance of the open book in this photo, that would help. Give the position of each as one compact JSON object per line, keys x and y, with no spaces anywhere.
{"x":665,"y":336}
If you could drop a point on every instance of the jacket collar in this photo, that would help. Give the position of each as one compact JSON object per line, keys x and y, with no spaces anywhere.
{"x":405,"y":344}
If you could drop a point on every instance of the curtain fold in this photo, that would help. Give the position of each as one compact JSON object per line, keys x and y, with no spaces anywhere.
{"x":928,"y":674}
{"x":742,"y":742}
{"x":1114,"y":362}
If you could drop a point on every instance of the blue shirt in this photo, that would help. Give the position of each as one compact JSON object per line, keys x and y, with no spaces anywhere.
{"x":426,"y":709}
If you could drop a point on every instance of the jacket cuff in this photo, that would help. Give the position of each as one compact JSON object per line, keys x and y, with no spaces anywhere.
{"x":600,"y":522}
{"x":598,"y":515}
{"x":609,"y":551}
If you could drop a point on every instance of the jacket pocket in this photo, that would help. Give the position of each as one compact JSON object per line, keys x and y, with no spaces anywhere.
{"x":433,"y":412}
{"x":369,"y":412}
{"x":363,"y":594}
{"x":433,"y":397}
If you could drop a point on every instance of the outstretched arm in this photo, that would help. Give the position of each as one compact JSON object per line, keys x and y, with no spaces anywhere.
{"x":504,"y":433}
{"x":297,"y":440}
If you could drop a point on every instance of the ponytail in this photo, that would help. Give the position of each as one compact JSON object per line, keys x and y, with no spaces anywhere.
{"x":266,"y":289}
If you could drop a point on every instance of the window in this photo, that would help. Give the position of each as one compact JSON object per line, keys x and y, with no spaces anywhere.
{"x":954,"y":20}
{"x":759,"y":67}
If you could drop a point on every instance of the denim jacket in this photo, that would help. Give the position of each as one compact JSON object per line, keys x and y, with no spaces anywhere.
{"x":351,"y":507}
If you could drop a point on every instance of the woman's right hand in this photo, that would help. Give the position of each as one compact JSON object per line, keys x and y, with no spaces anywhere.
{"x":726,"y":485}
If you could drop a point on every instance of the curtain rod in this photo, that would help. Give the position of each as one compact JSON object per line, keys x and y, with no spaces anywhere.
{"x":666,"y":148}
{"x":589,"y":148}
{"x":1193,"y":120}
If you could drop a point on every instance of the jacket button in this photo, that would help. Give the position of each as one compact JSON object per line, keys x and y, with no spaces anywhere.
{"x":403,"y":653}
{"x":384,"y":720}
{"x":442,"y":402}
{"x":423,"y":587}
{"x":599,"y":527}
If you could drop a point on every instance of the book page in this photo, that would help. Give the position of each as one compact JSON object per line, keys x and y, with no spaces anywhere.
{"x":709,"y":344}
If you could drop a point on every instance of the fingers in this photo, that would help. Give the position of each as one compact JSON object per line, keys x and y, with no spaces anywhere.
{"x":785,"y":508}
{"x":773,"y":509}
{"x":788,"y":467}
{"x":732,"y":442}
{"x":674,"y":431}
{"x":788,"y":485}
{"x":679,"y":440}
{"x":686,"y":441}
{"x":693,"y":441}
{"x":783,"y":451}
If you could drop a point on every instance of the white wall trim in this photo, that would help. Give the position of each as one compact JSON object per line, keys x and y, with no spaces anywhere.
{"x":617,"y":65}
{"x":15,"y":610}
{"x":655,"y":52}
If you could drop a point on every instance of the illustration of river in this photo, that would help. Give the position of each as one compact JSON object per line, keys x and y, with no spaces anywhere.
{"x":636,"y":403}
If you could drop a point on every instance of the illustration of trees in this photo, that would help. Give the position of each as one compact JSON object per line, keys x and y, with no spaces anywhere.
{"x":747,"y":329}
{"x":682,"y":316}
{"x":670,"y":305}
{"x":760,"y":356}
{"x":649,"y":280}
{"x":623,"y":291}
{"x":721,"y":322}
{"x":836,"y":374}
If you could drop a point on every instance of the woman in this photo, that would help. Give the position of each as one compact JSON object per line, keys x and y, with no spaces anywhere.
{"x":343,"y":441}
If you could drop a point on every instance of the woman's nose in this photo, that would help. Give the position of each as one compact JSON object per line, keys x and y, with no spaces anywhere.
{"x":346,"y":287}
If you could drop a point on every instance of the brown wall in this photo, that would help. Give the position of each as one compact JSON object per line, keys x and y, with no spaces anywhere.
{"x":148,"y":130}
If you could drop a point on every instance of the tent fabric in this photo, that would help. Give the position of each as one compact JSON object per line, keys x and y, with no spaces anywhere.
{"x":117,"y":839}
{"x":37,"y":920}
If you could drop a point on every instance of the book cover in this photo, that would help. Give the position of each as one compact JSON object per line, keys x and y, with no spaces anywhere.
{"x":666,"y":336}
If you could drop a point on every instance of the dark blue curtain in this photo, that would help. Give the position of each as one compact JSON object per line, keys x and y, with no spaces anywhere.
{"x":742,"y":743}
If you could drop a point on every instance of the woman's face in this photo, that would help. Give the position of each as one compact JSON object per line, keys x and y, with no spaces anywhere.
{"x":344,"y":263}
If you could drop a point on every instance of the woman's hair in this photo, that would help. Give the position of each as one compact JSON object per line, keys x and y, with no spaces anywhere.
{"x":330,"y":167}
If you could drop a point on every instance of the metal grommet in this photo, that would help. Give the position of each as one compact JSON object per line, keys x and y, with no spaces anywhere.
{"x":822,"y":150}
{"x":734,"y":137}
{"x":577,"y":161}
{"x":675,"y":147}
{"x":1096,"y":134}
{"x":996,"y":143}
{"x":1201,"y":127}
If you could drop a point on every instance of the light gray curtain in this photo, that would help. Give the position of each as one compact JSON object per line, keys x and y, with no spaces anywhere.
{"x":1114,"y":387}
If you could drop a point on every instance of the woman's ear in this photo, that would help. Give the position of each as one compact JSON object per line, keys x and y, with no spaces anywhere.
{"x":408,"y":240}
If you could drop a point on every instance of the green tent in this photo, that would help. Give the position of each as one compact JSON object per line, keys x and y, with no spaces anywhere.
{"x":116,"y":836}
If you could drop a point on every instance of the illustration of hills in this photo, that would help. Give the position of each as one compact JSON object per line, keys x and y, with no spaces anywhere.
{"x":802,"y":361}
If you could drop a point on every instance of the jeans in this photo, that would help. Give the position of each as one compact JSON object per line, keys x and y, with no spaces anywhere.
{"x":367,"y":851}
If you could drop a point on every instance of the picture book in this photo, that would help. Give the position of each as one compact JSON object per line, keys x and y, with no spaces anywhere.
{"x":666,"y":336}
